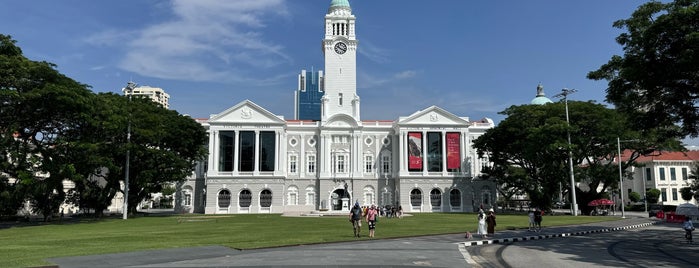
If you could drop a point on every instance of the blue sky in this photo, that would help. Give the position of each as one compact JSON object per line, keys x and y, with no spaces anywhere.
{"x":472,"y":58}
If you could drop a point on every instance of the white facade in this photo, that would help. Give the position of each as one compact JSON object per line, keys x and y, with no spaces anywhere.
{"x":260,"y":163}
{"x":666,"y":171}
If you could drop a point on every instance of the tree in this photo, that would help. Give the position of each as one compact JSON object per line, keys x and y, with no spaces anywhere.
{"x":165,"y":147}
{"x":42,"y":112}
{"x":653,"y":195}
{"x":634,"y":197}
{"x":656,"y":81}
{"x":686,"y":193}
{"x":694,"y":176}
{"x":54,"y":129}
{"x":529,"y":150}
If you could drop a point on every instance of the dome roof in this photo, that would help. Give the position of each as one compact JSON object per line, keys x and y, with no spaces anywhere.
{"x":339,"y":4}
{"x":541,"y":98}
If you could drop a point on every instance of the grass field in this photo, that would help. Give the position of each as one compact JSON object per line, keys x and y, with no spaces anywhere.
{"x":30,"y":245}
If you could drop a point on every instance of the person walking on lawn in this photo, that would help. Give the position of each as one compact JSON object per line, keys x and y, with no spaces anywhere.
{"x":355,"y":218}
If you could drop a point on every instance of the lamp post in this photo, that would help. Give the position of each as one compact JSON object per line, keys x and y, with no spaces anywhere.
{"x":130,"y":86}
{"x":574,"y":205}
{"x":621,"y":176}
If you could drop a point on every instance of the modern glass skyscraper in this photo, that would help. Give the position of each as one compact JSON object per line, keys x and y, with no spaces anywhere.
{"x":307,"y":98}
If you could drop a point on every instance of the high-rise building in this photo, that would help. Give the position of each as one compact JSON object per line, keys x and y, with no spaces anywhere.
{"x":307,"y":98}
{"x":156,"y":94}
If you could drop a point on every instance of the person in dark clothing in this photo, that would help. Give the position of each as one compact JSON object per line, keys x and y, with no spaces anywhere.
{"x":355,"y":218}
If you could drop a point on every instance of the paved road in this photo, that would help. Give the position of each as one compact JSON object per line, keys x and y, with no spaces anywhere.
{"x":429,"y":251}
{"x":660,"y":245}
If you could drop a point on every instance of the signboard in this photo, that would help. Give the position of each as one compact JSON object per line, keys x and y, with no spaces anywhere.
{"x":415,"y":151}
{"x":453,"y":150}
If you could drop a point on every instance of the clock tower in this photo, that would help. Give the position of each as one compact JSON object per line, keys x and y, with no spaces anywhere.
{"x":340,"y":50}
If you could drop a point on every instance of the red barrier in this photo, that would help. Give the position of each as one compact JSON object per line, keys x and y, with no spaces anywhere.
{"x":660,"y":214}
{"x":674,"y":218}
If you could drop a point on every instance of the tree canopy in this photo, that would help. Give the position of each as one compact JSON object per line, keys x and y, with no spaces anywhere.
{"x":656,"y":81}
{"x":54,"y":129}
{"x":529,"y":150}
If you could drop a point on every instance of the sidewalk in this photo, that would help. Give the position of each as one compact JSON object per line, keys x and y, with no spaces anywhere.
{"x":504,"y":236}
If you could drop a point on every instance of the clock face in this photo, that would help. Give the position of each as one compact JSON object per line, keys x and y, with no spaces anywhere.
{"x":340,"y":48}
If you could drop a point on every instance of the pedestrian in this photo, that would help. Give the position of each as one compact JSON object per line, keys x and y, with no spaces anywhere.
{"x":355,"y":217}
{"x":400,"y":211}
{"x":538,"y":217}
{"x":371,"y":215}
{"x":688,"y":227}
{"x":481,"y":224}
{"x":490,"y":221}
{"x":532,"y":226}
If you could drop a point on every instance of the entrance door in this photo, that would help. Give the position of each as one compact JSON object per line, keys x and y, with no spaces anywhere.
{"x":336,"y":199}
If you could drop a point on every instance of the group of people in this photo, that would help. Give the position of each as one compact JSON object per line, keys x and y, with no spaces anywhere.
{"x":370,"y":215}
{"x":535,"y":218}
{"x":486,"y":220}
{"x":487,"y":223}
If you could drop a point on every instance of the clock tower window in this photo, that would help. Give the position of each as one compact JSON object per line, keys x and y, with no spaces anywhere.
{"x":340,"y":99}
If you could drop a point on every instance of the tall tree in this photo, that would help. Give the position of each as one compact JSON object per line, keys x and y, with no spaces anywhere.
{"x":42,"y":111}
{"x":529,"y":150}
{"x":165,"y":146}
{"x":656,"y":81}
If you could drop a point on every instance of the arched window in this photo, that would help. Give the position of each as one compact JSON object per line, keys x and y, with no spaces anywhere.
{"x":245,"y":198}
{"x":455,"y":198}
{"x":310,"y":195}
{"x":293,"y":196}
{"x":266,"y":198}
{"x":416,"y":197}
{"x":436,"y":197}
{"x":485,"y":195}
{"x":368,"y":195}
{"x":224,"y":198}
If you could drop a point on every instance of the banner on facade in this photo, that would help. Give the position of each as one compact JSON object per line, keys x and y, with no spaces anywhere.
{"x":415,"y":151}
{"x":453,"y":150}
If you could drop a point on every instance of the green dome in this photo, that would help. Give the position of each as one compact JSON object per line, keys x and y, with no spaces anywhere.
{"x":339,"y":3}
{"x":541,"y":100}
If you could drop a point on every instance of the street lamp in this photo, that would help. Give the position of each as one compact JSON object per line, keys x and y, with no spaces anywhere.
{"x":564,"y":94}
{"x":130,"y":86}
{"x":621,"y":177}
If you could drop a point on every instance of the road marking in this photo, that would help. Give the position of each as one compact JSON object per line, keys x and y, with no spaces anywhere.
{"x":467,"y":256}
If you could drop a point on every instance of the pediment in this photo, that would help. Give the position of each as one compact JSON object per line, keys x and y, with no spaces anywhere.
{"x":246,"y":112}
{"x":341,"y":121}
{"x":433,"y":116}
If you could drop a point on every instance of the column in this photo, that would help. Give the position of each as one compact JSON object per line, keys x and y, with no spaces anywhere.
{"x":444,"y":153}
{"x":256,"y":168}
{"x":279,"y":137}
{"x":424,"y":153}
{"x":236,"y":150}
{"x":401,"y":151}
{"x":215,"y":153}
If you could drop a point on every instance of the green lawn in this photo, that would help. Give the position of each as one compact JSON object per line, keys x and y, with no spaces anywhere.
{"x":30,"y":245}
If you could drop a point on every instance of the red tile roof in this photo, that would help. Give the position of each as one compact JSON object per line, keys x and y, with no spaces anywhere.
{"x":666,"y":156}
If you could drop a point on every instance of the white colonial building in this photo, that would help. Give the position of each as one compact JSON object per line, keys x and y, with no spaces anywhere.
{"x":666,"y":171}
{"x":259,"y":162}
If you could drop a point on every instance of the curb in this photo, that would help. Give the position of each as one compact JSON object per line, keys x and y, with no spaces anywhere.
{"x":537,"y":237}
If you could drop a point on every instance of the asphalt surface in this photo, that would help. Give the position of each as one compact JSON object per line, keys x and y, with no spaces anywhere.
{"x":427,"y":251}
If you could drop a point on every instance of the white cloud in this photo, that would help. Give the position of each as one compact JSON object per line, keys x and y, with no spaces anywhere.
{"x":367,"y":80}
{"x":205,"y":40}
{"x":373,"y":53}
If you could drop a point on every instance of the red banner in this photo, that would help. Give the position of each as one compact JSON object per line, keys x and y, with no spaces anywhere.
{"x":453,"y":150}
{"x":414,"y":151}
